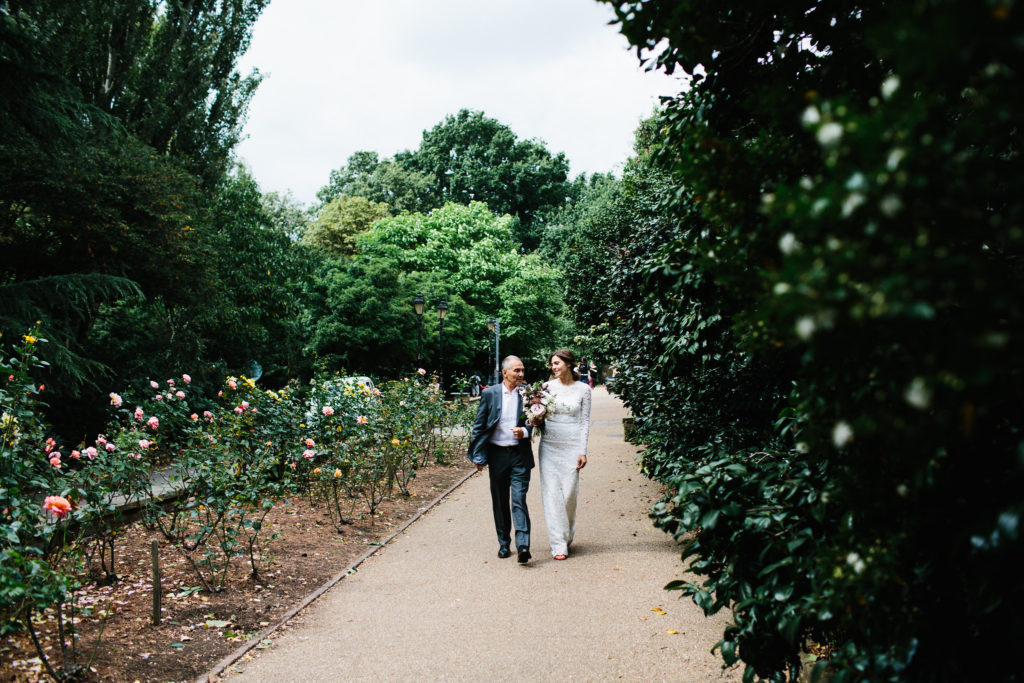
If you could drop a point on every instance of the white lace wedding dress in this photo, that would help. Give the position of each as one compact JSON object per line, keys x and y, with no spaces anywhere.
{"x":563,"y":439}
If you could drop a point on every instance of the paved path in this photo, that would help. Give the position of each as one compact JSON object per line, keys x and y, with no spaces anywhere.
{"x":437,"y":604}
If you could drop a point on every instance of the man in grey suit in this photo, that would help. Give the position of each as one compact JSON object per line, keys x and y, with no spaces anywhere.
{"x":501,"y":441}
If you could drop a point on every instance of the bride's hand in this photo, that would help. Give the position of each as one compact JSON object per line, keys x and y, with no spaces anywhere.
{"x":581,"y":462}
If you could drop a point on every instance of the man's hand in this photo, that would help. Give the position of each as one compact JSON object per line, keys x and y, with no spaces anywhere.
{"x":479,"y":467}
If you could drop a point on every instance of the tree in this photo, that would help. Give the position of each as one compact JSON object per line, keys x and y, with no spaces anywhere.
{"x":166,"y":70}
{"x":390,"y":181}
{"x":359,"y":319}
{"x":473,"y":253}
{"x":286,"y":214}
{"x":475,"y":158}
{"x":466,"y":158}
{"x":341,"y":221}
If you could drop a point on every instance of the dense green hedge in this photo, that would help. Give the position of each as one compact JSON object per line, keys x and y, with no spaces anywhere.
{"x":814,"y":296}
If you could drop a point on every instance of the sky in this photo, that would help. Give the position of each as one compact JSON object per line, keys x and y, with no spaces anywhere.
{"x":342,"y":76}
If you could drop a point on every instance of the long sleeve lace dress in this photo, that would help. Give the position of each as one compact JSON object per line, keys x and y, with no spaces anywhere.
{"x":563,"y":439}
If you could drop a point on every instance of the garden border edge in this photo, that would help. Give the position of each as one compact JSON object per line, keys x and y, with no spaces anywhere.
{"x":214,"y":674}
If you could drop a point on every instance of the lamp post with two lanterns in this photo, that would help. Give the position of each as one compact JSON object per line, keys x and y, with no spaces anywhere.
{"x":418,"y":304}
{"x":442,"y":311}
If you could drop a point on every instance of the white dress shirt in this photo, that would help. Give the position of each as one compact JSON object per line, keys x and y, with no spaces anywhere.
{"x":502,"y":434}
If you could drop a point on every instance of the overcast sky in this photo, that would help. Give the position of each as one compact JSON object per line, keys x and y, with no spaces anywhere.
{"x":343,"y":76}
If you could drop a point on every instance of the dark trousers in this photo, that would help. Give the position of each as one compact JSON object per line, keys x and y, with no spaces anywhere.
{"x":510,"y":480}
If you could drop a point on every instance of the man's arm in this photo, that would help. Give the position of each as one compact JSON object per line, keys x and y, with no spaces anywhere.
{"x":476,"y":437}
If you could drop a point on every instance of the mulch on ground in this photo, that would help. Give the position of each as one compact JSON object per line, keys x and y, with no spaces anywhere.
{"x":185,"y":645}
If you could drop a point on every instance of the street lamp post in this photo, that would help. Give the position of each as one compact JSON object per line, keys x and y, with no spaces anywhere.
{"x":494,"y":325}
{"x":417,"y":305}
{"x":442,"y":311}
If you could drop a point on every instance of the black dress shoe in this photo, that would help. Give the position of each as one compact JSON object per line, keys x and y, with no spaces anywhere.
{"x":504,"y":552}
{"x":524,"y":556}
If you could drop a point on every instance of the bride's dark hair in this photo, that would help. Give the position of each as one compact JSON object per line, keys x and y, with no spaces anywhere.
{"x":569,"y":359}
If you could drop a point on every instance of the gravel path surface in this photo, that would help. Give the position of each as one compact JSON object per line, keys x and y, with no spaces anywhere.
{"x":437,"y":603}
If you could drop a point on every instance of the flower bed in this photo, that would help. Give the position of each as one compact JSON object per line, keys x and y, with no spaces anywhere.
{"x":342,"y":447}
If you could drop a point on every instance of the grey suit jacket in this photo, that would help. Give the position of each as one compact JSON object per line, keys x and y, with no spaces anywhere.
{"x":487,"y":415}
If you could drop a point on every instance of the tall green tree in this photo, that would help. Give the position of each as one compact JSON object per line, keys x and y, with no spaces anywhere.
{"x":474,"y":254}
{"x":116,"y":131}
{"x":466,"y":158}
{"x":472,"y":157}
{"x":388,"y":181}
{"x":166,"y":70}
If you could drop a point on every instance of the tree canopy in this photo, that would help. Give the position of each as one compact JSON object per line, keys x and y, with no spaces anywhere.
{"x":467,"y":157}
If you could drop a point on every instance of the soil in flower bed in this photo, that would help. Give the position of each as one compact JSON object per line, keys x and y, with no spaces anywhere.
{"x":198,"y":629}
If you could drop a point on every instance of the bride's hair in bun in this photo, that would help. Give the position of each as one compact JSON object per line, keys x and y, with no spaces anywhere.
{"x":569,"y":359}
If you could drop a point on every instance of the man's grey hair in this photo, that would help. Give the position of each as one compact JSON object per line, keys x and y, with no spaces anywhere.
{"x":507,"y":363}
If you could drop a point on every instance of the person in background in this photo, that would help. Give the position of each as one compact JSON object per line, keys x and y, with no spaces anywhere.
{"x":583,"y":372}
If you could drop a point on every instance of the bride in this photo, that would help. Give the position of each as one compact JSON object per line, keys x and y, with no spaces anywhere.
{"x":563,"y":450}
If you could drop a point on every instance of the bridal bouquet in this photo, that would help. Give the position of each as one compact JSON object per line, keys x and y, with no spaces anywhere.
{"x":535,"y":403}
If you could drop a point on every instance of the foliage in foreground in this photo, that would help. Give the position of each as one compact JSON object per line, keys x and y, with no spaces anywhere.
{"x":813,"y":292}
{"x":343,"y":444}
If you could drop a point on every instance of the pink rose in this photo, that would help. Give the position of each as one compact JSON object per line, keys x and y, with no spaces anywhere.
{"x":207,"y":414}
{"x":308,"y":453}
{"x":193,"y":417}
{"x":135,"y":456}
{"x":310,"y":442}
{"x":401,"y":403}
{"x":91,"y":452}
{"x":239,"y":410}
{"x":139,"y":414}
{"x":361,"y":420}
{"x":254,"y":411}
{"x":55,"y":460}
{"x":115,"y":400}
{"x":179,"y":394}
{"x":232,"y":384}
{"x":187,"y":379}
{"x":537,"y":409}
{"x":245,"y":405}
{"x":170,"y":382}
{"x":153,"y":422}
{"x":101,"y":440}
{"x":159,"y":397}
{"x":58,"y":505}
{"x":76,"y":455}
{"x":327,"y":411}
{"x":153,"y":384}
{"x":143,"y":444}
{"x":422,"y":371}
{"x":110,"y":447}
{"x":220,"y":393}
